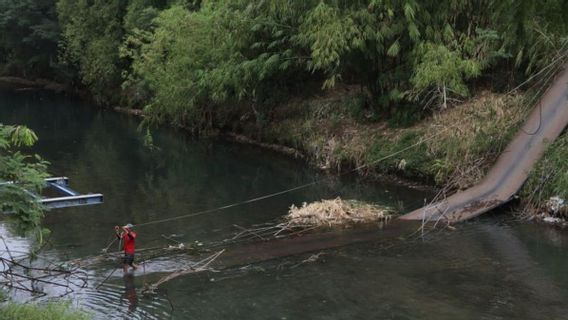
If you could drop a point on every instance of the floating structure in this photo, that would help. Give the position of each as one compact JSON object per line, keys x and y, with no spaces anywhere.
{"x":69,"y":197}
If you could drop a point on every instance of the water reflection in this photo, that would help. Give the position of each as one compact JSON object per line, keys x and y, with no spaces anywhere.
{"x":130,"y":291}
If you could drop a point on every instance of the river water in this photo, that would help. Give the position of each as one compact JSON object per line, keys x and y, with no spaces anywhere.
{"x":492,"y":268}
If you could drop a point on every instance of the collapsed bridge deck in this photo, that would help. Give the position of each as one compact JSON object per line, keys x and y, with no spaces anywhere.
{"x":505,"y":179}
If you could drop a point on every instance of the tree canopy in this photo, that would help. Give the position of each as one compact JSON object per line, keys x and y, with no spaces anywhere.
{"x":188,"y":61}
{"x":29,"y":35}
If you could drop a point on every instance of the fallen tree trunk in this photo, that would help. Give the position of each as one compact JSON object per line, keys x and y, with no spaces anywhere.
{"x":199,"y":266}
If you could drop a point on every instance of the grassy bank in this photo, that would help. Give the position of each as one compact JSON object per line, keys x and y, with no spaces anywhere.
{"x":548,"y":179}
{"x":50,"y":311}
{"x":454,"y":146}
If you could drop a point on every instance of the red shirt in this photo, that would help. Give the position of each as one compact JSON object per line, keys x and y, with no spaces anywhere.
{"x":129,"y":239}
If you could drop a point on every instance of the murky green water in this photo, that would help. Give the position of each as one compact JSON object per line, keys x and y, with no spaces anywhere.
{"x":492,"y":268}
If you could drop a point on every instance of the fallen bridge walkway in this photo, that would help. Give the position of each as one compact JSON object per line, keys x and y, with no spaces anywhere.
{"x":504,"y":180}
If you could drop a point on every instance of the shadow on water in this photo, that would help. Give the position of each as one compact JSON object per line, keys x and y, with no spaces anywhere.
{"x":487,"y":269}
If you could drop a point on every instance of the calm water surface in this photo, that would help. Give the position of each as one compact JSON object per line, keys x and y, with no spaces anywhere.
{"x":492,"y":268}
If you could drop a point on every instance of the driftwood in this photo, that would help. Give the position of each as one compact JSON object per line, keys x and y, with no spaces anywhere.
{"x":310,"y":259}
{"x":132,"y":112}
{"x":308,"y":217}
{"x":196,"y":267}
{"x":266,"y":233}
{"x":25,"y":84}
{"x":16,"y":274}
{"x":270,"y":146}
{"x":144,"y":254}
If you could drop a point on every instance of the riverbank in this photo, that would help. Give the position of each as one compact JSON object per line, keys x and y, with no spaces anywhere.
{"x":18,"y":83}
{"x":456,"y":146}
{"x":452,"y":149}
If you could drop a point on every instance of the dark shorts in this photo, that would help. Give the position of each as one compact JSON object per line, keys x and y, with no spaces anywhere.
{"x":128,"y":259}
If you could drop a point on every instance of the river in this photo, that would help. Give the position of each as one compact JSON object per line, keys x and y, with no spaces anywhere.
{"x":491,"y":268}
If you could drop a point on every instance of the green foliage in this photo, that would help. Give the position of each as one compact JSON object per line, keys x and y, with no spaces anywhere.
{"x":356,"y":107}
{"x":49,"y":311}
{"x":183,"y":63}
{"x":531,"y":31}
{"x":327,"y":33}
{"x":191,"y":61}
{"x":138,"y":22}
{"x":550,"y":177}
{"x":398,"y":50}
{"x":139,"y":15}
{"x":21,"y":175}
{"x":444,"y":69}
{"x":92,"y":34}
{"x":406,"y":116}
{"x":414,"y":161}
{"x":29,"y":33}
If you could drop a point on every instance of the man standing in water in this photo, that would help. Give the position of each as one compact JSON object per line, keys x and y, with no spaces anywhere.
{"x":128,"y":237}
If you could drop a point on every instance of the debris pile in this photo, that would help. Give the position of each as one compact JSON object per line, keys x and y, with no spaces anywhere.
{"x":556,"y":210}
{"x":308,"y":217}
{"x":336,"y":212}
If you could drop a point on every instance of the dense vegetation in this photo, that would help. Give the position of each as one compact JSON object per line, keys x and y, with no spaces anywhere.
{"x":191,"y":61}
{"x":21,"y":175}
{"x":29,"y":37}
{"x":550,"y":178}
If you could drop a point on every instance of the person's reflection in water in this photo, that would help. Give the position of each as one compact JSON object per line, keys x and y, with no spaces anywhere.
{"x":130,"y":292}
